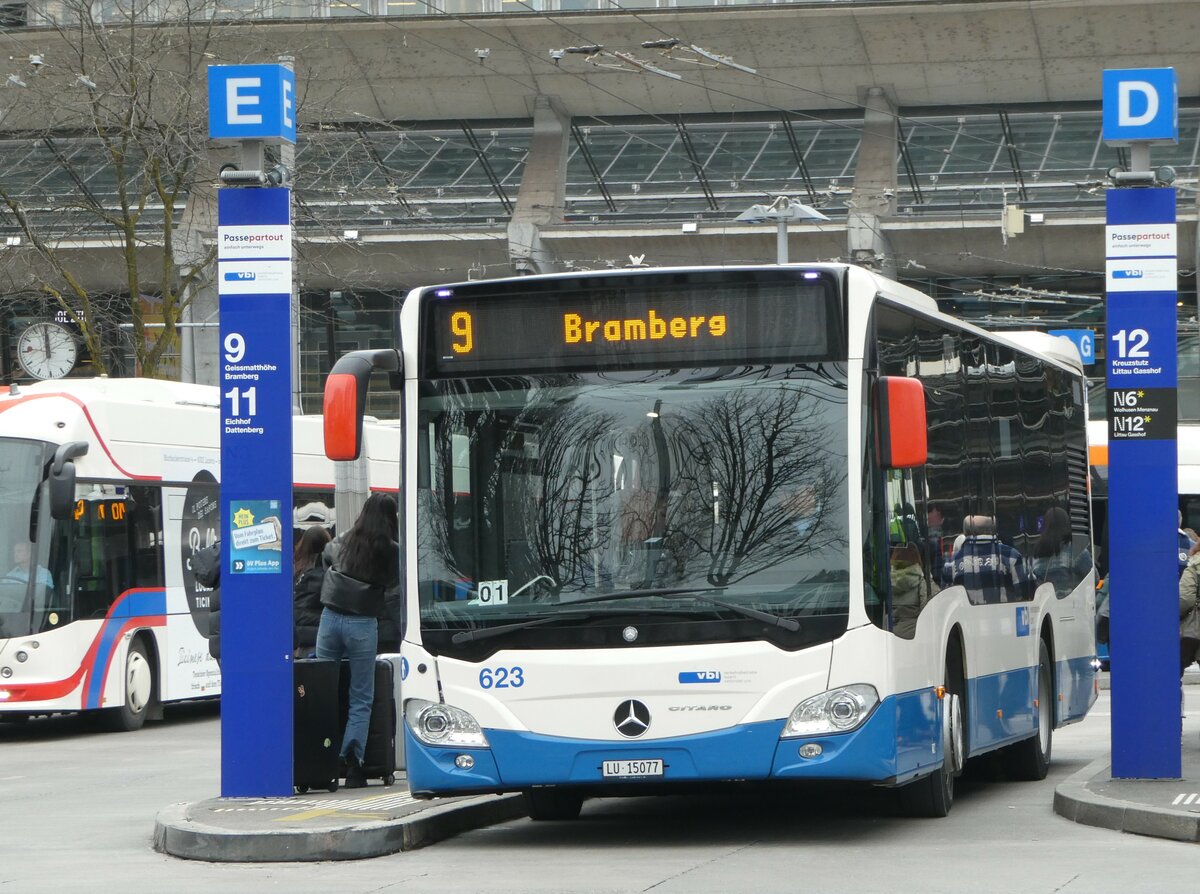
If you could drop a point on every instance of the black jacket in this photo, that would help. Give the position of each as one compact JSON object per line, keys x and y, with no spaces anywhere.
{"x":306,"y":603}
{"x":353,"y":597}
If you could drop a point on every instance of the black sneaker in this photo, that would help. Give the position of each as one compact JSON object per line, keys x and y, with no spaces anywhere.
{"x":355,"y":776}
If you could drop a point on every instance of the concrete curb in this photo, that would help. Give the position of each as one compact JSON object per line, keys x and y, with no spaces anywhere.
{"x":178,"y":833}
{"x":1074,"y":800}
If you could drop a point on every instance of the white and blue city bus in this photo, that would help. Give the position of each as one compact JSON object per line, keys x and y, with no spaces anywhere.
{"x":677,"y":526}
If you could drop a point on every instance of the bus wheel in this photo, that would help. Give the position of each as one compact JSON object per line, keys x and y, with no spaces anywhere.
{"x":551,"y":804}
{"x":933,"y":795}
{"x":1029,"y":759}
{"x":139,"y":691}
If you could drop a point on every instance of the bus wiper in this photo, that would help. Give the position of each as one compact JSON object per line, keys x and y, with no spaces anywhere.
{"x":701,"y":593}
{"x":467,"y":636}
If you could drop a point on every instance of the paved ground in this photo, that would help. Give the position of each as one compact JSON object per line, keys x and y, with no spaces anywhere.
{"x":82,"y":807}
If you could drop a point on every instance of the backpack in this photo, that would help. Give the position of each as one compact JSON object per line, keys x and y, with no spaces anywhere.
{"x":307,"y":595}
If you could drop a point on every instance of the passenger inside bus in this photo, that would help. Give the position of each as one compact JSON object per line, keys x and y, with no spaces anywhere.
{"x":1055,"y":558}
{"x":911,"y":589}
{"x":989,"y":569}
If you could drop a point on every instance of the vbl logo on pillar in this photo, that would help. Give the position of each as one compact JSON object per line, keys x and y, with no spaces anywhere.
{"x":1141,"y":105}
{"x":252,"y":102}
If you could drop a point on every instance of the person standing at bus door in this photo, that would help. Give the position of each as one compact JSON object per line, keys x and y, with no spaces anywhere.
{"x":308,"y":574}
{"x":352,"y":593}
{"x":22,"y":555}
{"x":391,"y":623}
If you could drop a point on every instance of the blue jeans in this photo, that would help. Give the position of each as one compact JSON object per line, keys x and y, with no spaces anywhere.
{"x":356,"y":638}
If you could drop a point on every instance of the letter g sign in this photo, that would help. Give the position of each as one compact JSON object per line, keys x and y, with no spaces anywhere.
{"x":1141,"y":105}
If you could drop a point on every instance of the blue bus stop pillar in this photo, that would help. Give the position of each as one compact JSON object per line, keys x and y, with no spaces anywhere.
{"x":250,"y":105}
{"x":1141,"y":109}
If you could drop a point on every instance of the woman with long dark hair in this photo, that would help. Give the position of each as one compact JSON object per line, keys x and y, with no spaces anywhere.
{"x":367,"y":563}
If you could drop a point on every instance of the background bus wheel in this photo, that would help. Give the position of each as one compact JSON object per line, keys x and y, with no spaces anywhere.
{"x":1029,"y":760}
{"x":551,"y":804}
{"x":139,"y":691}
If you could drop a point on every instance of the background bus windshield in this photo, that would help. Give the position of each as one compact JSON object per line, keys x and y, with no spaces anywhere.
{"x":29,"y":599}
{"x":538,"y":492}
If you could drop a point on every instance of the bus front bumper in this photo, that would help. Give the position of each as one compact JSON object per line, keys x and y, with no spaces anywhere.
{"x":898,"y":741}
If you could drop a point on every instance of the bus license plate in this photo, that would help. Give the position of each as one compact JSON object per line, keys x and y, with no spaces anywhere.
{"x":632,"y":768}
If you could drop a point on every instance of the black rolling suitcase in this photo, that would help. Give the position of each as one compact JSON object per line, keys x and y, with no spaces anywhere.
{"x":379,"y":759}
{"x":316,"y":740}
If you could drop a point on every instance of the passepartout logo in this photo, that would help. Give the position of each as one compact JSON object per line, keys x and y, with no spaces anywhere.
{"x":252,"y":237}
{"x":1141,"y":240}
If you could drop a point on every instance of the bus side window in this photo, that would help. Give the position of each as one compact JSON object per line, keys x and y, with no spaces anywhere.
{"x":118,"y":546}
{"x":145,"y":532}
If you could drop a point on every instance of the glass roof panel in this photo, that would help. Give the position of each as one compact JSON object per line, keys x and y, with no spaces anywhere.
{"x":414,"y":176}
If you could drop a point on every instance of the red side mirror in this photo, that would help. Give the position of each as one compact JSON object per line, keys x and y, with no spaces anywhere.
{"x":902,"y":438}
{"x":343,"y":419}
{"x":345,"y":399}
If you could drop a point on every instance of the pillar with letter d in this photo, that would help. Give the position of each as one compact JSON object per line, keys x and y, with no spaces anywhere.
{"x":1141,"y":110}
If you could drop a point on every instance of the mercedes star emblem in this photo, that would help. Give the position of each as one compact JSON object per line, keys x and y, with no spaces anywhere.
{"x":632,"y":718}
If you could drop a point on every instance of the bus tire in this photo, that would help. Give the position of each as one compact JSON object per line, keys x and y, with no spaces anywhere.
{"x":551,"y":804}
{"x":933,"y":795}
{"x":1029,"y":759}
{"x":139,"y":691}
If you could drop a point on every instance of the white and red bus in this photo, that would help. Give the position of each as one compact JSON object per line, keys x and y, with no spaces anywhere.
{"x":107,"y":489}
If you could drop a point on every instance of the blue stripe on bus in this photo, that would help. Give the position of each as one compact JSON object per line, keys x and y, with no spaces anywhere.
{"x":140,"y":603}
{"x":1077,"y":683}
{"x":898,"y":741}
{"x":132,"y":604}
{"x":1001,"y":708}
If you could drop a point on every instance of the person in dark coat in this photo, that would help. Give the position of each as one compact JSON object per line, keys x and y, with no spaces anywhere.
{"x":308,"y":572}
{"x":353,"y":594}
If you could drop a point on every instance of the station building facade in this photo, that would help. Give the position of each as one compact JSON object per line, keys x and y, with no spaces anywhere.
{"x":953,"y":146}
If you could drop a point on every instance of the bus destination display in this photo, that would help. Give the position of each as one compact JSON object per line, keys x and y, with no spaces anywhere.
{"x":689,"y":324}
{"x":100,"y":511}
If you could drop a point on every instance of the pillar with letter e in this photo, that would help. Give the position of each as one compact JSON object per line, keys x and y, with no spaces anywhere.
{"x":1141,"y":110}
{"x":253,"y":105}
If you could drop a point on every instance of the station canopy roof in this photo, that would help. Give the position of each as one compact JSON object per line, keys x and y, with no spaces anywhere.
{"x":639,"y":172}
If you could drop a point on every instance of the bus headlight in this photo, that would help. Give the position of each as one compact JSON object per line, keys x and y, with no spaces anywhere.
{"x":436,"y":724}
{"x":836,"y":711}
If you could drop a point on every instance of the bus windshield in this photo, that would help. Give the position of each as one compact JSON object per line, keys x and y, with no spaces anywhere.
{"x":597,"y":504}
{"x":28,"y":602}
